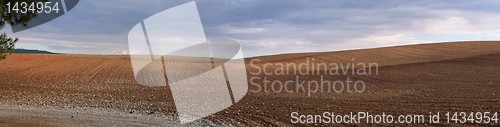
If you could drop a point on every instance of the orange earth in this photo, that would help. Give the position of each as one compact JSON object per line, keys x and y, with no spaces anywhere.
{"x":95,"y":90}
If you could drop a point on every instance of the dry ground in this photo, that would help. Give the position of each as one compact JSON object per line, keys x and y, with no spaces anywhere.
{"x":415,"y":79}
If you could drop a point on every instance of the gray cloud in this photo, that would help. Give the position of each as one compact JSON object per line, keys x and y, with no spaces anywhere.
{"x":276,"y":26}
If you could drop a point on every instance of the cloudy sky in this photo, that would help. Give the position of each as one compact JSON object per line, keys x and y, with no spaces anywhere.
{"x":265,"y":27}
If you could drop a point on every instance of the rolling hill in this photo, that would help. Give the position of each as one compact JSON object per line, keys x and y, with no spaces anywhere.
{"x":413,"y":79}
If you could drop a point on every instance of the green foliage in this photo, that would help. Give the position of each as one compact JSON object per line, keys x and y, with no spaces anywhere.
{"x":6,"y":45}
{"x":14,"y":18}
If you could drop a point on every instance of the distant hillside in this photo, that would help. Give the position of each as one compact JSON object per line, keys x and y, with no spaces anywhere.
{"x":395,"y":55}
{"x":29,"y":51}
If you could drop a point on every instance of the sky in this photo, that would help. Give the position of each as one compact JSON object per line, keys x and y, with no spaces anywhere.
{"x":266,"y":27}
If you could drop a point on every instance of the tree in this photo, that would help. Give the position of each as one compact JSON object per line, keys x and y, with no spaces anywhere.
{"x":13,"y":18}
{"x":6,"y":45}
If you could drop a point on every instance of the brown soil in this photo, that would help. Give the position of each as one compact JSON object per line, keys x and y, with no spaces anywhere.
{"x":415,"y":79}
